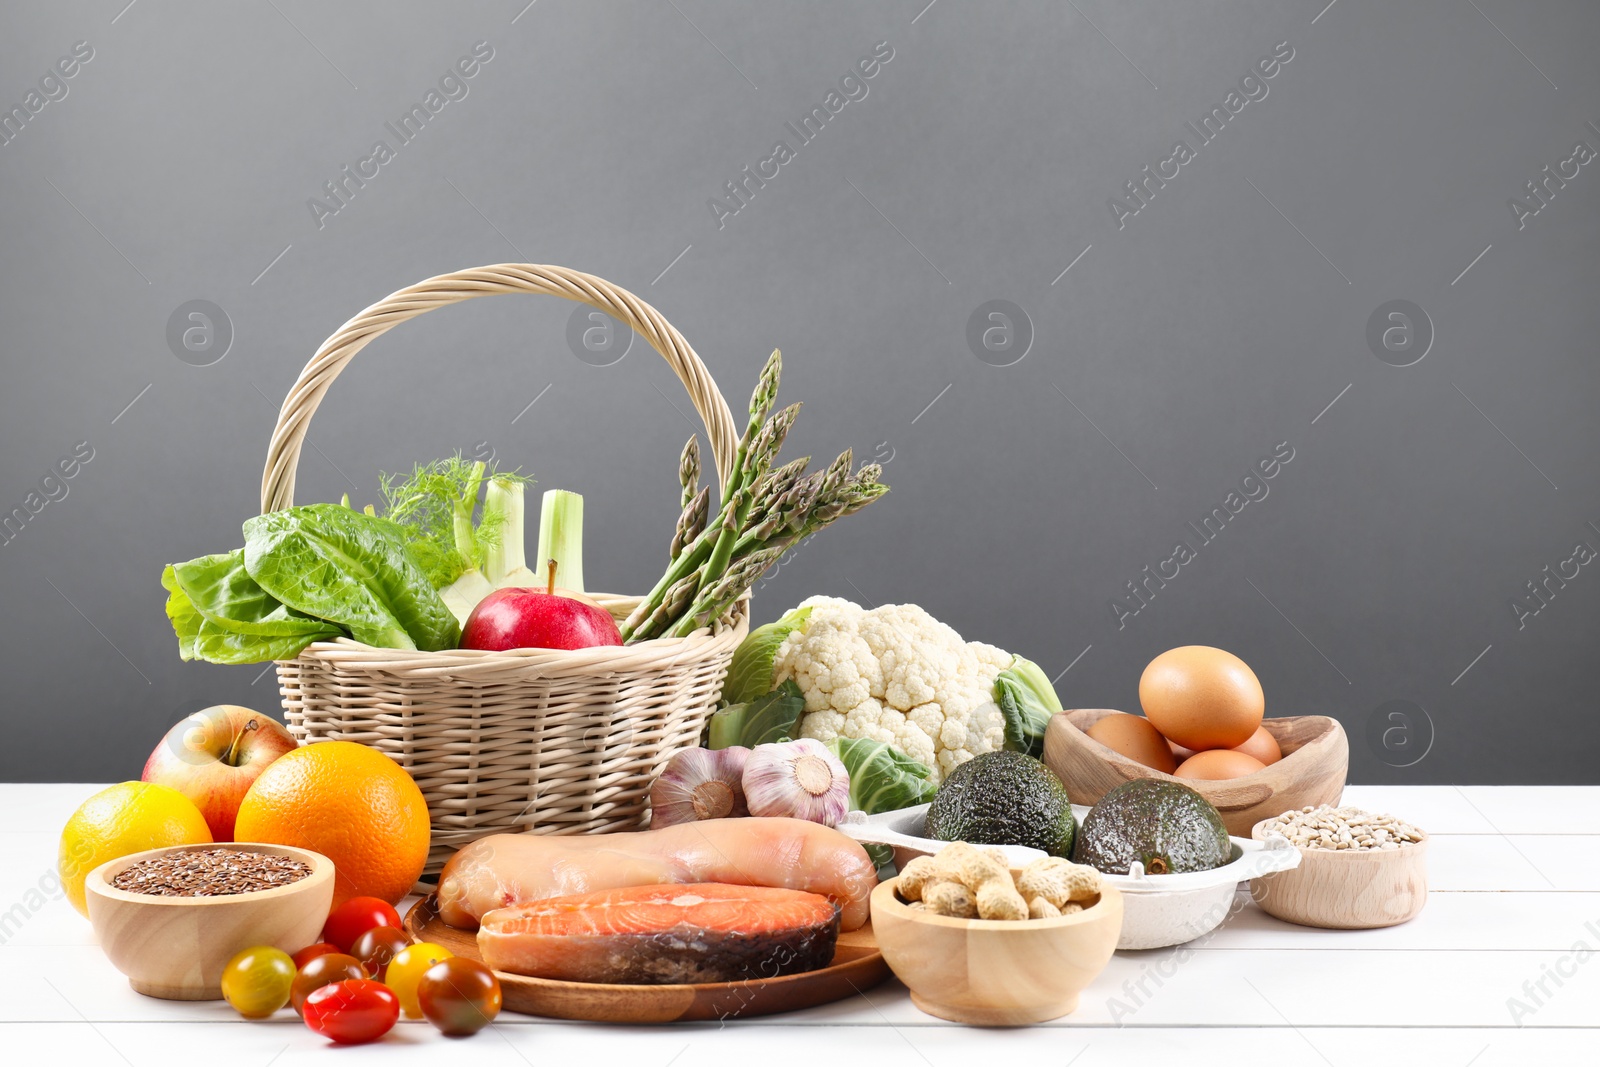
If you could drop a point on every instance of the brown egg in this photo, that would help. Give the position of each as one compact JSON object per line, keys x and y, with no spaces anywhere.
{"x":1179,"y":753}
{"x":1134,"y":737}
{"x":1219,"y":764}
{"x":1202,"y":697}
{"x":1263,"y":746}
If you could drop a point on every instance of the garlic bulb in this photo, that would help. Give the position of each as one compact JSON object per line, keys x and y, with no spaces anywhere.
{"x":798,"y":779}
{"x":700,"y":783}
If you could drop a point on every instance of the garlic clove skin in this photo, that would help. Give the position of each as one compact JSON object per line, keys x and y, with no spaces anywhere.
{"x":798,"y":780}
{"x":700,"y":784}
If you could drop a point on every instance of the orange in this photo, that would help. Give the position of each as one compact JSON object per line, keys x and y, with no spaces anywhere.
{"x":119,"y":821}
{"x":349,"y":802}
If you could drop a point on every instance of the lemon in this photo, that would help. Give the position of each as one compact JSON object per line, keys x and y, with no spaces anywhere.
{"x":121,"y":820}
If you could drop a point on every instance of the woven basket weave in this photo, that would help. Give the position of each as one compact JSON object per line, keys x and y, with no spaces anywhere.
{"x":556,"y":742}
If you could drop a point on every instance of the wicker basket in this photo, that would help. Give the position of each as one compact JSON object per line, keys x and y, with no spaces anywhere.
{"x":556,"y":742}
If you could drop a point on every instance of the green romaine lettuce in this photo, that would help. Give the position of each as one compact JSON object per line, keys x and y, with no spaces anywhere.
{"x":221,"y":615}
{"x":180,"y":612}
{"x":221,"y":590}
{"x":305,"y":574}
{"x":349,"y":569}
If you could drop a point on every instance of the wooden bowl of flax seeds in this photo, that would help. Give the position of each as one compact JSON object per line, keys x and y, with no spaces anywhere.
{"x":171,"y":918}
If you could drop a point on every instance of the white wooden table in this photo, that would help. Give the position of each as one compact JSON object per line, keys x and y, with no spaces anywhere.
{"x":1515,"y":903}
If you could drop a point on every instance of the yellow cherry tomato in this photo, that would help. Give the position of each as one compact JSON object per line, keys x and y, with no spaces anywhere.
{"x":407,"y":969}
{"x":256,"y":981}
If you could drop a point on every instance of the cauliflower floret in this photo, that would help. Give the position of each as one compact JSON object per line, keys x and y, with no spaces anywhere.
{"x":898,"y":675}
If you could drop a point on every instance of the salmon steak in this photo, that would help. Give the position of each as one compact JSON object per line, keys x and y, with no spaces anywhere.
{"x":664,"y":935}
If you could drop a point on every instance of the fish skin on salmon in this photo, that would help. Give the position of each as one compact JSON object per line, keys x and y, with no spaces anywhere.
{"x":664,"y":935}
{"x":510,"y":869}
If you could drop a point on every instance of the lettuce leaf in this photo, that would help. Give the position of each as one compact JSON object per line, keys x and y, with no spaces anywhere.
{"x":221,"y":615}
{"x":305,"y":574}
{"x":180,"y":612}
{"x":750,"y":673}
{"x":352,"y":570}
{"x":221,"y":589}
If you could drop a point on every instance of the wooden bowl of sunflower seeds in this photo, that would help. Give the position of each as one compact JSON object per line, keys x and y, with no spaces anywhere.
{"x":171,"y":918}
{"x":1358,"y":870}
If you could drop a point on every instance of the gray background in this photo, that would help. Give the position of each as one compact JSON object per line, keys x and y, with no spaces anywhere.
{"x":1174,"y":354}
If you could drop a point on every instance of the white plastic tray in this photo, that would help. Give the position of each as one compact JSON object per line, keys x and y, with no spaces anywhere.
{"x":1158,"y":910}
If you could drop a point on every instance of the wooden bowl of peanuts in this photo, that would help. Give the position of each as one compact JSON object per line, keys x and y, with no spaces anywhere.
{"x":1357,"y":870}
{"x":1027,"y":968}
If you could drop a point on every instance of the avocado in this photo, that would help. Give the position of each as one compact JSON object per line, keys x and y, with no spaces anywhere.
{"x":1003,"y":798}
{"x":1168,"y":827}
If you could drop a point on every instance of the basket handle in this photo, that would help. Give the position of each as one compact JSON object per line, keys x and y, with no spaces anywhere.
{"x":283,"y":455}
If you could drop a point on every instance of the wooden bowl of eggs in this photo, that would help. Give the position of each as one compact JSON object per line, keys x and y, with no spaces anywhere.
{"x":1203,"y":727}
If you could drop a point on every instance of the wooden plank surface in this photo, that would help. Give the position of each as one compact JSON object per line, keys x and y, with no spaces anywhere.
{"x":1516,"y":888}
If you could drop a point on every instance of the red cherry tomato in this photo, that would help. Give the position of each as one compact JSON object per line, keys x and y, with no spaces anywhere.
{"x":324,"y":970}
{"x":377,"y":947}
{"x":459,"y":996}
{"x":352,"y":1012}
{"x":311,"y":952}
{"x":355,"y":917}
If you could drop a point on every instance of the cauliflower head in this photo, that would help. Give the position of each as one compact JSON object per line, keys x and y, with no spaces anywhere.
{"x":898,"y":675}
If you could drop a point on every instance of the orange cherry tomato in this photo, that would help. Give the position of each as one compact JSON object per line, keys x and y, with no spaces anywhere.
{"x":324,"y":970}
{"x":311,"y":952}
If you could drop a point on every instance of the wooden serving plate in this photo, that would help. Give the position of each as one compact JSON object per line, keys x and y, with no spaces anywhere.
{"x":857,"y":966}
{"x":1316,"y":755}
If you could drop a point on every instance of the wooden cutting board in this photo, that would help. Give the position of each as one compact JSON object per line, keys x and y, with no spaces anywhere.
{"x":857,"y":966}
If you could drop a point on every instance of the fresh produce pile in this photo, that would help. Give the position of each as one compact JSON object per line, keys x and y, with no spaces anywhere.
{"x":752,"y":867}
{"x":229,"y":772}
{"x":743,"y":873}
{"x":443,"y":566}
{"x":353,"y":986}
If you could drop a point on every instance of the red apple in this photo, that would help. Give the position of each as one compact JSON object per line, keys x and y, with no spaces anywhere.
{"x":519,"y":617}
{"x":214,"y":756}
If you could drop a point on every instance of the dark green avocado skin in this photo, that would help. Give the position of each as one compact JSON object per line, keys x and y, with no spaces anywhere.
{"x":1168,"y":827}
{"x":1003,"y":798}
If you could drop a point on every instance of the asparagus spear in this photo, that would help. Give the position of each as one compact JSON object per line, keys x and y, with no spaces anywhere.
{"x":689,"y":469}
{"x":692,"y":521}
{"x":764,"y":512}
